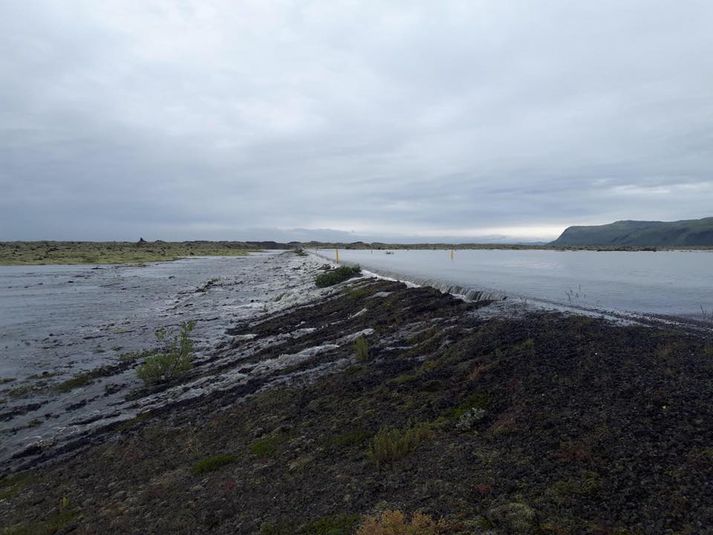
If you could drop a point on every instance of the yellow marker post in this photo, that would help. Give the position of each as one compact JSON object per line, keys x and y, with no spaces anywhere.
{"x":336,"y":255}
{"x":452,"y":254}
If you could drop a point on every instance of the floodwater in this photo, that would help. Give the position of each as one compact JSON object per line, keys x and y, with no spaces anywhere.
{"x":663,"y":283}
{"x":59,"y":321}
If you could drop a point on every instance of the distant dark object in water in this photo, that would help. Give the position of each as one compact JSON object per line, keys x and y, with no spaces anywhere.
{"x":141,"y":241}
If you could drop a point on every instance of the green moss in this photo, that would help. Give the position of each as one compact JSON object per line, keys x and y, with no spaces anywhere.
{"x":477,"y":400}
{"x":12,"y":485}
{"x":588,"y":484}
{"x":339,"y":524}
{"x":133,"y":356}
{"x":210,"y":464}
{"x":33,"y":253}
{"x":21,"y":391}
{"x":77,"y":381}
{"x":361,"y":349}
{"x":52,"y":525}
{"x":335,"y":276}
{"x":350,"y":438}
{"x":267,"y":447}
{"x":359,"y":293}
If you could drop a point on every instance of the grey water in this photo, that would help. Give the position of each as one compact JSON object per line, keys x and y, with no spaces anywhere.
{"x":661,"y":283}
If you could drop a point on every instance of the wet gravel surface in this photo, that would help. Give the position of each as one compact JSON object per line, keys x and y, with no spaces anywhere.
{"x":58,"y":322}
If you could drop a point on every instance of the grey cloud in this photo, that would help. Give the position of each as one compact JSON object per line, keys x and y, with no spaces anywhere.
{"x":211,"y":119}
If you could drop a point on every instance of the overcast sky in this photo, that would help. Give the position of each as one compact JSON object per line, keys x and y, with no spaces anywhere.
{"x":466,"y":119}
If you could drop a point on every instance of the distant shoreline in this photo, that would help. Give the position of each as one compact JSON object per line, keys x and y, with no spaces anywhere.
{"x":23,"y":253}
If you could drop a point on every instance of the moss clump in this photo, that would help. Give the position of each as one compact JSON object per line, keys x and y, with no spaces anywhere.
{"x":213,"y":463}
{"x":335,"y":276}
{"x":350,"y":438}
{"x":267,"y":446}
{"x":392,"y":444}
{"x":77,"y":381}
{"x":52,"y":525}
{"x":361,"y":349}
{"x":339,"y":524}
{"x":11,"y":485}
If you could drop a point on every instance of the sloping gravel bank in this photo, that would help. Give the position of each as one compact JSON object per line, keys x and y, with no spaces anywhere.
{"x":540,"y":423}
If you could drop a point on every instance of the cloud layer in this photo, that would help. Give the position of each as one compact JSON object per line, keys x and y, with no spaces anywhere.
{"x":200,"y":119}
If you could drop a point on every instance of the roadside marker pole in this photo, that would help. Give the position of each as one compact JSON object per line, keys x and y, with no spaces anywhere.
{"x":337,"y":255}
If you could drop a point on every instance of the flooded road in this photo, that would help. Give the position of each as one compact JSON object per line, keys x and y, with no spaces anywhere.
{"x":57,"y":322}
{"x":663,"y":283}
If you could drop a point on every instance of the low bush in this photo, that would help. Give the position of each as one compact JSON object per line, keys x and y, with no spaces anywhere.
{"x":392,"y":444}
{"x":174,"y":360}
{"x":335,"y":276}
{"x":396,"y":523}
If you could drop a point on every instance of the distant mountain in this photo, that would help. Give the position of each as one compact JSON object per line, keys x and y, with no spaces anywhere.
{"x":691,"y":232}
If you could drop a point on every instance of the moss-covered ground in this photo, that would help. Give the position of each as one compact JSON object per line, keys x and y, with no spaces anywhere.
{"x":50,"y":252}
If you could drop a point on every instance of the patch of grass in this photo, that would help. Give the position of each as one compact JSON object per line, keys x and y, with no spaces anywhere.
{"x":391,"y":444}
{"x":361,"y":349}
{"x":268,"y":446}
{"x":339,"y":524}
{"x":708,"y":350}
{"x":526,"y":346}
{"x":4,"y":380}
{"x":21,"y":391}
{"x":77,"y":381}
{"x":348,"y":439}
{"x":566,"y":489}
{"x":405,"y":378}
{"x":133,"y":356}
{"x":335,"y":276}
{"x":174,"y":360}
{"x":11,"y":485}
{"x":210,"y":464}
{"x":53,"y":524}
{"x":477,"y":400}
{"x":359,"y":293}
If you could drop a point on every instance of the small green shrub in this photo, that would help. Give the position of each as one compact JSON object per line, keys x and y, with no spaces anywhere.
{"x":361,"y":349}
{"x":392,"y":444}
{"x":210,"y":464}
{"x":335,"y":276}
{"x":175,"y":359}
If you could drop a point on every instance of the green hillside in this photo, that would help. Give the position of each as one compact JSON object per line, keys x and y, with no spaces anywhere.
{"x":693,"y":232}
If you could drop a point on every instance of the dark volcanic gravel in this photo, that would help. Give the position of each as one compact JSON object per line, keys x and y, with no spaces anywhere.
{"x":541,"y":423}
